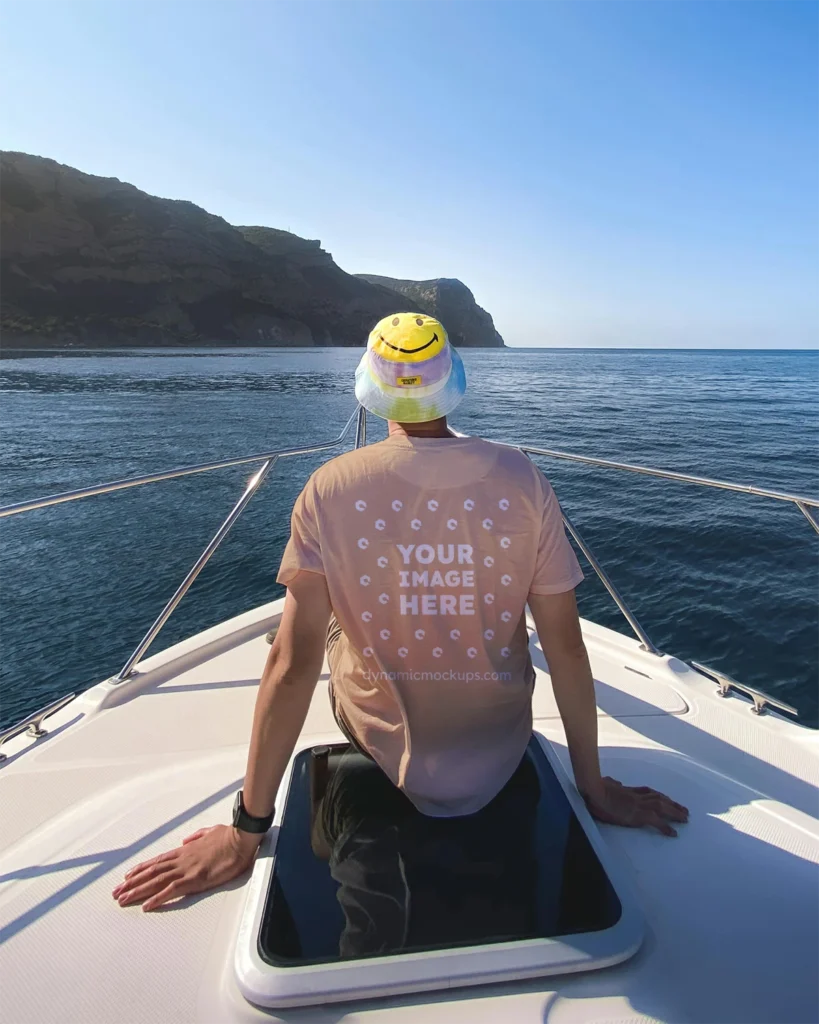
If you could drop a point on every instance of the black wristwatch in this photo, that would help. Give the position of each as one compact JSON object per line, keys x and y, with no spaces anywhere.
{"x":246,"y":822}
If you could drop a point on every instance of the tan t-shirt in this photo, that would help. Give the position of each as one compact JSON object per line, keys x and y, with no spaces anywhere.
{"x":430,"y":547}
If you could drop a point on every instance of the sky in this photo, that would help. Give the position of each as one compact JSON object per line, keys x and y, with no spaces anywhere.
{"x":612,"y":173}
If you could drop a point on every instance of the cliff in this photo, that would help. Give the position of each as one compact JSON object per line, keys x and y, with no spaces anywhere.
{"x":451,"y":302}
{"x":91,"y":261}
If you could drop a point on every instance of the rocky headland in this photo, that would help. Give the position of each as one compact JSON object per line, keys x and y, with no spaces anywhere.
{"x":94,"y":262}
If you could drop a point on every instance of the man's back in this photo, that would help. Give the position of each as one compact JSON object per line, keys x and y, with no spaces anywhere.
{"x":430,"y":547}
{"x":425,"y":547}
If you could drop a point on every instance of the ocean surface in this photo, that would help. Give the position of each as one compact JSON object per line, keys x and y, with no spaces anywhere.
{"x":730,"y":580}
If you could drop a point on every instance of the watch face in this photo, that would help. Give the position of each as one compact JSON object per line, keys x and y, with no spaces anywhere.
{"x":237,"y":807}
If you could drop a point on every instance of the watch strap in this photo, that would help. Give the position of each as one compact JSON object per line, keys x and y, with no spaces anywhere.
{"x":246,"y":822}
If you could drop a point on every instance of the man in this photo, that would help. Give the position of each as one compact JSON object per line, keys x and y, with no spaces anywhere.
{"x":426,"y":549}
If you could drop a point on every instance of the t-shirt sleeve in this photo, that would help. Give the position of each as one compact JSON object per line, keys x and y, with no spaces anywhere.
{"x":303,"y":550}
{"x":556,"y":567}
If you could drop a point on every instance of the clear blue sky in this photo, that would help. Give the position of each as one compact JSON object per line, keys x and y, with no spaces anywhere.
{"x":614,"y":173}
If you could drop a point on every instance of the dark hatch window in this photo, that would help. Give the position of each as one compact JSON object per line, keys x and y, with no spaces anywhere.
{"x":359,"y":872}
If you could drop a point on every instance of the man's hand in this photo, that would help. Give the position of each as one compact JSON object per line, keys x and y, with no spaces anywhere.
{"x":208,"y":858}
{"x":214,"y":856}
{"x":558,"y":628}
{"x":635,"y":807}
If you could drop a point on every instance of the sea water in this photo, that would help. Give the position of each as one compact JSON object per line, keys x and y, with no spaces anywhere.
{"x":730,"y":580}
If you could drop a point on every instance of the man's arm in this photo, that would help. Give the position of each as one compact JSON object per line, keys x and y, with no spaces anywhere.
{"x":290,"y":677}
{"x":214,"y":856}
{"x":558,"y":628}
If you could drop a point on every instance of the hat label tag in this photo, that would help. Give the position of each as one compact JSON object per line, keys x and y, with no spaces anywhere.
{"x":409,"y":381}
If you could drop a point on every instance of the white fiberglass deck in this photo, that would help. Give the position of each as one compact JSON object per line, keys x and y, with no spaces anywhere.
{"x":127,"y":771}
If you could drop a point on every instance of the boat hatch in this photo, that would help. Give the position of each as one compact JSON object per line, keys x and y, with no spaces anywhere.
{"x":361,"y":895}
{"x":627,"y":682}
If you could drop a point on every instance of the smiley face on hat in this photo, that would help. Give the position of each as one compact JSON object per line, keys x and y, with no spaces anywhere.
{"x":409,"y":373}
{"x":407,"y":338}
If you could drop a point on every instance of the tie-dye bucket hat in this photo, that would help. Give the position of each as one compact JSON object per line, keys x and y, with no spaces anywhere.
{"x":410,"y":373}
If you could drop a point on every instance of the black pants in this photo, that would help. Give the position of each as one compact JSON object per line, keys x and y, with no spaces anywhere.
{"x":334,"y":632}
{"x":408,"y":881}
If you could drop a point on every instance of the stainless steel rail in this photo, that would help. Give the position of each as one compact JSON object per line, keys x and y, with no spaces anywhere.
{"x":172,"y":474}
{"x":33,"y":724}
{"x":613,"y":591}
{"x":726,"y":684}
{"x":803,"y":504}
{"x":269,"y":459}
{"x":806,"y":512}
{"x":361,"y":427}
{"x":665,"y":474}
{"x":646,"y":642}
{"x":253,"y":485}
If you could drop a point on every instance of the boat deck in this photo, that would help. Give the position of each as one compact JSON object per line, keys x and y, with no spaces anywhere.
{"x":128,"y":770}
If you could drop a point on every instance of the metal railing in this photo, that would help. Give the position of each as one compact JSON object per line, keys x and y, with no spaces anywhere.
{"x":172,"y":474}
{"x":803,"y":504}
{"x":645,"y":640}
{"x":253,"y":485}
{"x":616,"y":596}
{"x":269,"y":459}
{"x":726,"y":684}
{"x":33,"y":724}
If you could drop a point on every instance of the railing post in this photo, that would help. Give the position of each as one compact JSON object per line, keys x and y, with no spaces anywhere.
{"x":361,"y":427}
{"x":607,"y":583}
{"x":806,"y":512}
{"x":604,"y":579}
{"x":252,"y":486}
